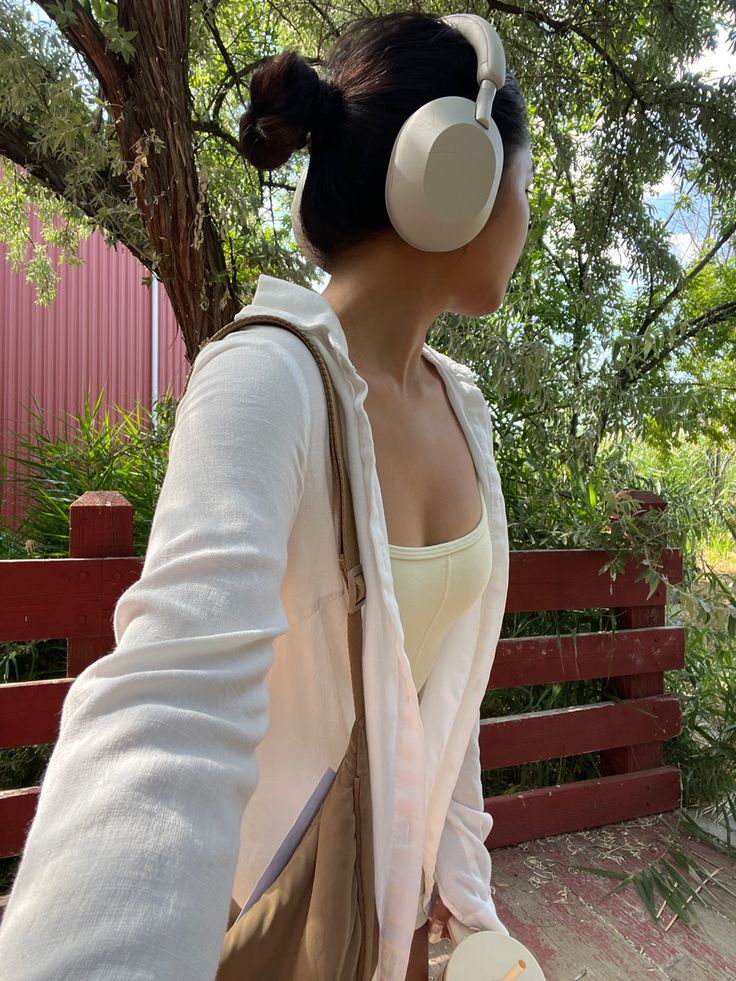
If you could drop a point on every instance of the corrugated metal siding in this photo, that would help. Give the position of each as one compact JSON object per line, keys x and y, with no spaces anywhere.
{"x":96,"y":335}
{"x":172,"y":359}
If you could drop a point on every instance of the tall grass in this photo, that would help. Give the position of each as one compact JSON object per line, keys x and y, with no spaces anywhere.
{"x":699,"y":480}
{"x":93,"y":452}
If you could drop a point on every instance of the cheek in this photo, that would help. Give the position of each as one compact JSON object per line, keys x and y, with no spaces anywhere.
{"x":527,"y":217}
{"x":488,"y":262}
{"x":517,"y":233}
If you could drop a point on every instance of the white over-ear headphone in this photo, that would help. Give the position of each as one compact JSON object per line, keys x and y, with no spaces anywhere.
{"x":446,"y":163}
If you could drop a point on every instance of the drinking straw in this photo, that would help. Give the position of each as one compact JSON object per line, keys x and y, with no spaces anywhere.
{"x":515,"y":971}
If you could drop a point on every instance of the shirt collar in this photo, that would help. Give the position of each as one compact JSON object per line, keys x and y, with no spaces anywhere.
{"x":304,"y":306}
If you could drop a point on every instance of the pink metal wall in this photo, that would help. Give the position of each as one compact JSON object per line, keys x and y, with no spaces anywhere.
{"x":96,"y":334}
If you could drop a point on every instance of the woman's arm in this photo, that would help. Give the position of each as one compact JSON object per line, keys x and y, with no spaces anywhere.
{"x":129,"y":862}
{"x":463,"y":870}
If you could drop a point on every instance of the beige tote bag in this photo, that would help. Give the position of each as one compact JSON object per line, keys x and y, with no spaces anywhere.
{"x":318,"y":922}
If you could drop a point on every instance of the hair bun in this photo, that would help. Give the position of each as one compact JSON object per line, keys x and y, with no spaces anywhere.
{"x":288,"y":100}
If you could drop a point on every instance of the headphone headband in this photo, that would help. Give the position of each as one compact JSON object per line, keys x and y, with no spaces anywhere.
{"x":486,"y":43}
{"x":491,"y":74}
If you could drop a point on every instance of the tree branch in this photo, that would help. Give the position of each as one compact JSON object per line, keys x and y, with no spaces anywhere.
{"x":655,"y":312}
{"x":626,"y":379}
{"x":324,"y":15}
{"x":558,"y":264}
{"x":563,"y":27}
{"x":210,"y":21}
{"x":151,"y":106}
{"x":88,"y":40}
{"x":718,"y":315}
{"x":20,"y":145}
{"x":271,"y":184}
{"x":204,"y":126}
{"x":617,"y":172}
{"x":234,"y":80}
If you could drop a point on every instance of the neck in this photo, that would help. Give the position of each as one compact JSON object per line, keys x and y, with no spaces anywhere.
{"x":386,"y":296}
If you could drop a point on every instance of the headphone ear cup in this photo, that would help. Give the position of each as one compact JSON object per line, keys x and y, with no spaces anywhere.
{"x":305,"y":246}
{"x":443,"y":176}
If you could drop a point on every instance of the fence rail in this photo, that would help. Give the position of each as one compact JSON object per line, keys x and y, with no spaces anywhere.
{"x":75,"y":598}
{"x":628,"y":732}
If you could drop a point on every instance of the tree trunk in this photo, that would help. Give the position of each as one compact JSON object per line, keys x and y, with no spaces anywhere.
{"x":151,"y":105}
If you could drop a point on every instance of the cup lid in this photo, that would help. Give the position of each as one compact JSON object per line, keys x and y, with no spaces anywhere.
{"x":490,"y":956}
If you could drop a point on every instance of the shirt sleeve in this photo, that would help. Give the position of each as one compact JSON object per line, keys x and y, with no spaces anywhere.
{"x":463,"y":867}
{"x":130,"y":859}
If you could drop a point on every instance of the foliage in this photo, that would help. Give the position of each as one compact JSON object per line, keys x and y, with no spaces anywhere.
{"x":699,"y":484}
{"x":93,"y":452}
{"x":60,"y":229}
{"x":551,"y":507}
{"x":705,"y":750}
{"x":48,"y":102}
{"x":22,"y":767}
{"x":131,"y":455}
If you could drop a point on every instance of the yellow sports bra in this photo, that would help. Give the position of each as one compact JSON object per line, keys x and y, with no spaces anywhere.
{"x":434,"y":586}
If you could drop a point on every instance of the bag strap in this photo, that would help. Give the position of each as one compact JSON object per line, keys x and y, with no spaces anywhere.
{"x":350,"y":567}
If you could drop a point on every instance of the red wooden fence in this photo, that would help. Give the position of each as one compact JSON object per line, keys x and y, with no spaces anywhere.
{"x":75,"y":598}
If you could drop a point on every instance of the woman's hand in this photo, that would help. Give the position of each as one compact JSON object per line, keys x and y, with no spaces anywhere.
{"x":438,"y":922}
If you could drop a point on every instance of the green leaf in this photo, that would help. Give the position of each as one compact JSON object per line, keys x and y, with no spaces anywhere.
{"x":644,"y":885}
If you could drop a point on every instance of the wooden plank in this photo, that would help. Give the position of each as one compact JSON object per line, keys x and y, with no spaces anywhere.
{"x":629,"y":848}
{"x":545,"y":660}
{"x":51,"y":598}
{"x":527,"y":738}
{"x":626,"y":759}
{"x":585,"y":804}
{"x":30,"y":712}
{"x":17,"y":808}
{"x":569,"y":580}
{"x":670,"y":824}
{"x":723,"y":886}
{"x":83,"y":651}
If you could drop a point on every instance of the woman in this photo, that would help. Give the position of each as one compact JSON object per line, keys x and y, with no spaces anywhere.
{"x":186,"y":753}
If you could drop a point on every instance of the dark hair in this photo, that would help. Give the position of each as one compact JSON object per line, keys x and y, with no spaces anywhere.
{"x":379,"y":71}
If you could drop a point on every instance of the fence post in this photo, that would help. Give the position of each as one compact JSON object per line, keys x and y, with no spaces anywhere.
{"x":645,"y":756}
{"x":100,"y":526}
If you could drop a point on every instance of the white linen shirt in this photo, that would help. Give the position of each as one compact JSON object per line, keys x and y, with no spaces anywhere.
{"x":185,"y":754}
